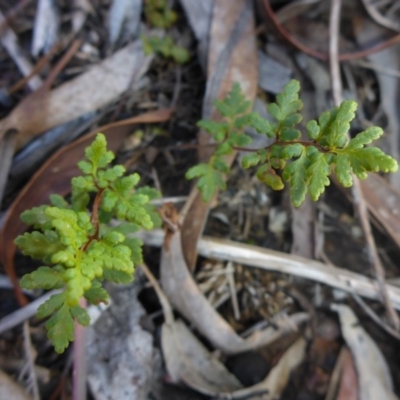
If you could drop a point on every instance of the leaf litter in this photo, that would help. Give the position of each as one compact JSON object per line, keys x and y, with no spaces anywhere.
{"x":227,"y":308}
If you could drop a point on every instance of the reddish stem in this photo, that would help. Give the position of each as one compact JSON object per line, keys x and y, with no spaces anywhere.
{"x":321,"y":56}
{"x":95,"y":219}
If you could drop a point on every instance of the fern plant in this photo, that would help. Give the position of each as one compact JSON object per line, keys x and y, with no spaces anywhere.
{"x":159,"y":15}
{"x":80,"y":250}
{"x":304,"y":164}
{"x":166,"y":47}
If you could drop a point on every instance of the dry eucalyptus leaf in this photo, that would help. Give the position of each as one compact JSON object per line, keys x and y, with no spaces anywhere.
{"x":199,"y":14}
{"x":276,"y":381}
{"x":383,"y":201}
{"x":186,"y":297}
{"x":348,"y":388}
{"x":190,"y":362}
{"x":47,"y":26}
{"x":100,"y":85}
{"x":232,"y":57}
{"x":374,"y":377}
{"x":124,"y":19}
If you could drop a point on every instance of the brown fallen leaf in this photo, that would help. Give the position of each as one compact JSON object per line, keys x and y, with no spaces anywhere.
{"x":276,"y":381}
{"x":90,"y":91}
{"x":383,"y":201}
{"x":186,"y":297}
{"x":348,"y":389}
{"x":188,"y":361}
{"x":232,"y":57}
{"x":186,"y":358}
{"x":54,"y":177}
{"x":374,"y":378}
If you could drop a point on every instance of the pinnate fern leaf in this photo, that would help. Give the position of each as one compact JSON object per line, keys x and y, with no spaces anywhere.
{"x":210,"y":180}
{"x":60,"y":328}
{"x":296,"y":174}
{"x":318,"y":173}
{"x":269,"y":176}
{"x":96,"y":294}
{"x":287,"y":105}
{"x":365,"y":137}
{"x":44,"y":277}
{"x":39,"y":245}
{"x":234,"y":104}
{"x":37,"y":218}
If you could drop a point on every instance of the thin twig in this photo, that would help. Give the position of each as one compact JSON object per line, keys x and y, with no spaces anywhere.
{"x":232,"y":288}
{"x":334,"y":65}
{"x":37,"y":68}
{"x":375,"y":317}
{"x":76,"y":44}
{"x":12,"y":14}
{"x":270,"y":260}
{"x":166,"y":306}
{"x":359,"y":201}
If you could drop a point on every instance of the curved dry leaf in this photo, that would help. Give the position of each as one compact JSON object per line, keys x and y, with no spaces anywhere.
{"x":186,"y":297}
{"x":190,"y":362}
{"x":54,"y":177}
{"x":46,"y":27}
{"x":348,"y":388}
{"x":199,"y":14}
{"x":276,"y":381}
{"x":383,"y":201}
{"x":374,"y":377}
{"x":124,"y":16}
{"x":9,"y":40}
{"x":90,"y":91}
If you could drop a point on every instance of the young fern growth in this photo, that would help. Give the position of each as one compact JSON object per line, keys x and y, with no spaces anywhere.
{"x":81,"y":249}
{"x":305,"y":164}
{"x":158,"y":14}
